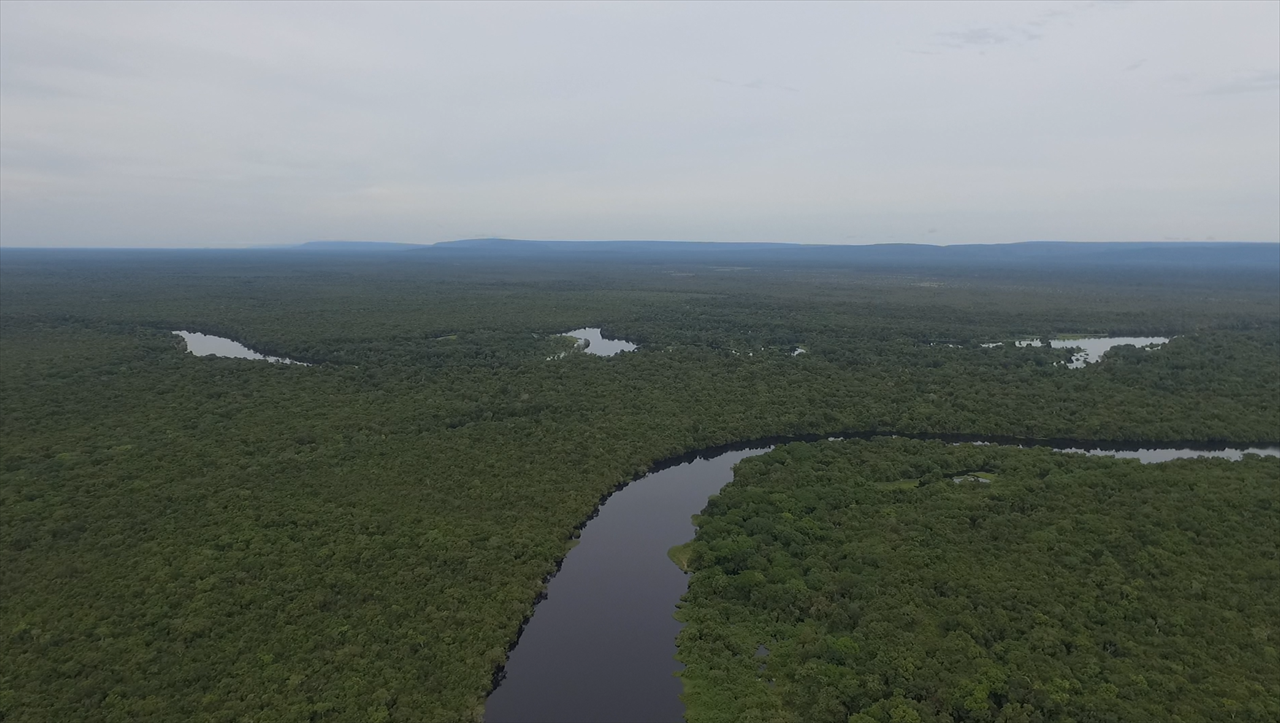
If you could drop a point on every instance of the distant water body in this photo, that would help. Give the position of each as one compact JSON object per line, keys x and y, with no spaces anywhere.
{"x":209,"y":345}
{"x":595,"y":343}
{"x":1092,"y":348}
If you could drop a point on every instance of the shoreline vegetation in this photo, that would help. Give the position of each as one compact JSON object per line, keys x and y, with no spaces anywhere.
{"x":362,"y":538}
{"x":682,"y":555}
{"x":1069,"y":587}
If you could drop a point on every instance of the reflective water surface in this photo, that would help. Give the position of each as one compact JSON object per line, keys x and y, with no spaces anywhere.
{"x":208,"y":345}
{"x":601,"y":646}
{"x":597,"y":344}
{"x":1164,"y":455}
{"x":1092,"y":348}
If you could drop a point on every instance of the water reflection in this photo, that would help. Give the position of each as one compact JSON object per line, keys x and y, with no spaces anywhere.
{"x":594,"y":343}
{"x":1092,"y":348}
{"x":1149,"y":456}
{"x":209,"y":345}
{"x":602,"y":645}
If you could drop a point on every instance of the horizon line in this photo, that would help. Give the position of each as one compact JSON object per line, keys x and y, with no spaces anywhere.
{"x":299,"y":244}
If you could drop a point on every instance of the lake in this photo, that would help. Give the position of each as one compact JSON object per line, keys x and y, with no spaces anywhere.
{"x":601,"y":646}
{"x":1092,"y":348}
{"x":593,"y":342}
{"x":209,"y":345}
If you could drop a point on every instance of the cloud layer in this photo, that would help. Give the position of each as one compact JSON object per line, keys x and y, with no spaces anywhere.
{"x":228,"y":124}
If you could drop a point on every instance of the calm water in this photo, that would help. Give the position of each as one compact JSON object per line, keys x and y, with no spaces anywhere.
{"x":1164,"y":455}
{"x":207,"y":345}
{"x":601,"y":646}
{"x":1092,"y":349}
{"x":598,"y":345}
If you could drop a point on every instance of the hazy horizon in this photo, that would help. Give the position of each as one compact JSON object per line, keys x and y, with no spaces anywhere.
{"x":730,"y":242}
{"x":206,"y":125}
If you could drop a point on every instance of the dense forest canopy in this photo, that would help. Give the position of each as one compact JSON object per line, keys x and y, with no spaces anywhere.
{"x":903,"y":580}
{"x":198,"y":538}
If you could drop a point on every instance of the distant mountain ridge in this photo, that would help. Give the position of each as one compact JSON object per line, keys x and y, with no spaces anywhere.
{"x":345,"y":246}
{"x":1257,"y":260}
{"x":1200,"y":255}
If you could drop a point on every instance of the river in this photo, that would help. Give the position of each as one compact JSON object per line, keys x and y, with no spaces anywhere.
{"x":601,"y":646}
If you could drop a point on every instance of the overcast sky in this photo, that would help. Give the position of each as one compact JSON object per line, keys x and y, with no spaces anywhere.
{"x":227,"y":124}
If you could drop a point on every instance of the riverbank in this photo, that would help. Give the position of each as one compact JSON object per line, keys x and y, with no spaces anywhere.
{"x":595,"y":629}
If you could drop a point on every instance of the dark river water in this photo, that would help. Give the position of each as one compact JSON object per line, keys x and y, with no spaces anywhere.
{"x":601,"y":646}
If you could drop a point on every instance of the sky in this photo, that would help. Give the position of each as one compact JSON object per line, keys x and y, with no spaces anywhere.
{"x":241,"y":124}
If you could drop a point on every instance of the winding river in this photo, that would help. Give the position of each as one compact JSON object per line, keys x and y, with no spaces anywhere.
{"x":601,"y":646}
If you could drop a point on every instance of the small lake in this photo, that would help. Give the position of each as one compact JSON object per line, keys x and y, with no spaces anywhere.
{"x":208,"y":345}
{"x":594,"y":343}
{"x":1092,"y":348}
{"x":601,"y":646}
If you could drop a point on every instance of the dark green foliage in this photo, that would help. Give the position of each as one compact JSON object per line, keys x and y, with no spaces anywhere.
{"x":1069,"y":588}
{"x":206,"y":539}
